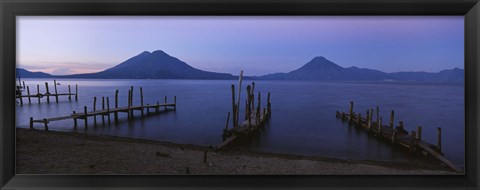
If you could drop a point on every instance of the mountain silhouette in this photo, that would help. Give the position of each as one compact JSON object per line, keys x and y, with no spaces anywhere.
{"x":322,"y":69}
{"x":23,"y":73}
{"x":154,"y":65}
{"x":160,"y":65}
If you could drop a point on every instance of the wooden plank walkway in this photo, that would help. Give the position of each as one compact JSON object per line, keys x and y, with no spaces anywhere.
{"x":107,"y":112}
{"x":255,"y":117}
{"x":47,"y":94}
{"x":396,"y":135}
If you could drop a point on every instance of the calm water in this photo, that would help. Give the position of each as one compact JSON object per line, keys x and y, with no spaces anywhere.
{"x":303,"y":114}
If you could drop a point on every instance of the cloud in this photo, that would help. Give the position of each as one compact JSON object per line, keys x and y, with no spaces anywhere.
{"x":64,"y":68}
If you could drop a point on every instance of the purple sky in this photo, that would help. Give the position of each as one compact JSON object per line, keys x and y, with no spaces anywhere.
{"x":257,"y":45}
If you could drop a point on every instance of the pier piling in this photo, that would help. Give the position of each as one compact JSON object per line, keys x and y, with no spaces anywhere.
{"x":391,"y":118}
{"x":20,"y":94}
{"x":380,"y":125}
{"x":28,"y":93}
{"x":141,"y":99}
{"x":350,"y":111}
{"x":74,"y":120}
{"x":165,"y":102}
{"x":38,"y":93}
{"x":46,"y":124}
{"x":55,"y":88}
{"x":76,"y":92}
{"x":234,"y":119}
{"x":115,"y":114}
{"x":95,"y":109}
{"x":128,"y":105}
{"x":419,"y":133}
{"x":103,"y":108}
{"x":48,"y":93}
{"x":439,"y":139}
{"x":85,"y":116}
{"x":69,"y":93}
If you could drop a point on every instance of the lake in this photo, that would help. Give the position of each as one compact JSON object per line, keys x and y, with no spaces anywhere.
{"x":303,"y":114}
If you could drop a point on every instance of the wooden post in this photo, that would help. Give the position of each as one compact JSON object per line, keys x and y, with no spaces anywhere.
{"x":380,"y":126}
{"x":359,"y":120}
{"x":234,"y":118}
{"x":350,"y":111}
{"x":174,"y":102}
{"x":165,"y":104}
{"x":95,"y":109}
{"x":115,"y":114}
{"x":394,"y":135}
{"x":56,"y":92}
{"x":248,"y":110}
{"x":131,"y":101}
{"x":85,"y":115}
{"x":439,"y":139}
{"x":48,"y":93}
{"x":253,"y":98}
{"x":74,"y":120}
{"x":31,"y":122}
{"x":253,"y":87}
{"x":28,"y":94}
{"x":264,"y":114}
{"x":419,"y":133}
{"x":240,"y":78}
{"x":103,"y":108}
{"x":46,"y":124}
{"x":391,"y":118}
{"x":38,"y":93}
{"x":369,"y":126}
{"x":228,"y":119}
{"x":69,"y":93}
{"x":141,"y":99}
{"x":252,"y":104}
{"x":268,"y":105}
{"x":108,"y":110}
{"x":378,"y":114}
{"x":257,"y":113}
{"x":412,"y":139}
{"x":400,"y":125}
{"x":76,"y":92}
{"x":20,"y":95}
{"x":23,"y":84}
{"x":128,"y":105}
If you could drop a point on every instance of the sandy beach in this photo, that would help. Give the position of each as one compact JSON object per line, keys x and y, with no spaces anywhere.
{"x":49,"y":152}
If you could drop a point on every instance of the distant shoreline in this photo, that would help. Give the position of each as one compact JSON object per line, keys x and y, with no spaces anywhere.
{"x":53,"y":152}
{"x":257,"y":80}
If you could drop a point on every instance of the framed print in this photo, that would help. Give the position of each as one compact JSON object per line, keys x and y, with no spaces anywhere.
{"x":185,"y":94}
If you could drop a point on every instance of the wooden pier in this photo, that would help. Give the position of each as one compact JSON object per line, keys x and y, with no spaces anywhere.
{"x":396,"y":135}
{"x":106,"y":111}
{"x":47,"y":93}
{"x":255,"y":117}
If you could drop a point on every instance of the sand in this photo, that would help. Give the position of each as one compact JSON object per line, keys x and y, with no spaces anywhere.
{"x":49,"y":152}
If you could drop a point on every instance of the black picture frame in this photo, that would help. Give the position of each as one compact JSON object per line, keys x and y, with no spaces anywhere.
{"x":11,"y":8}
